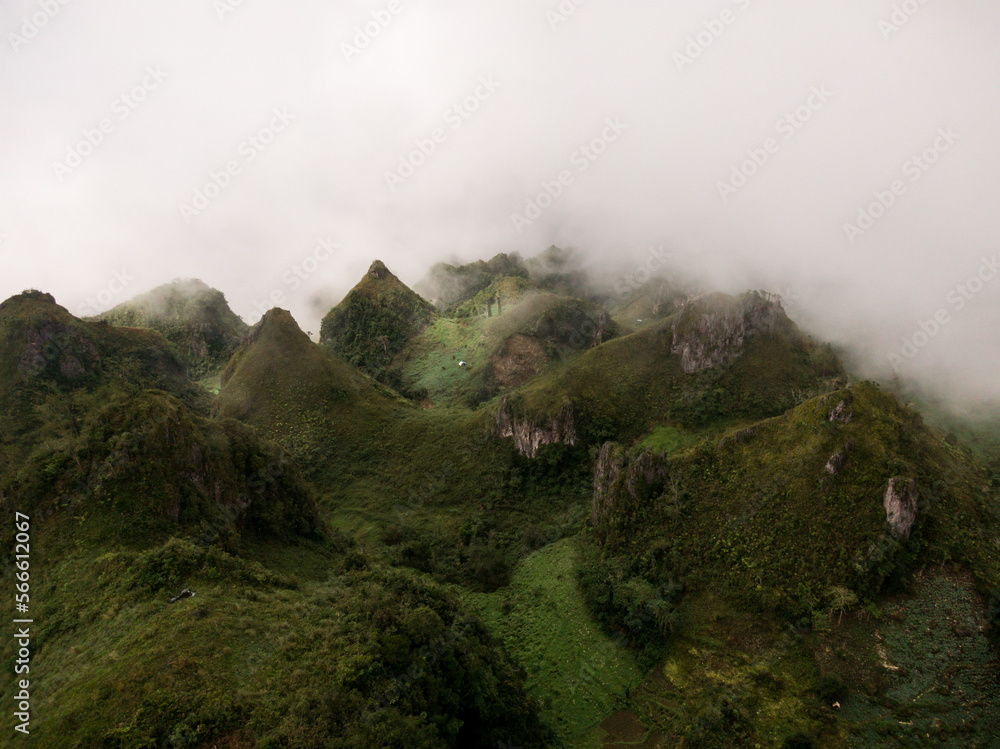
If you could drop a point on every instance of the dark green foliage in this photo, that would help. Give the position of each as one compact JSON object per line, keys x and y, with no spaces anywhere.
{"x":800,"y":740}
{"x":373,"y":323}
{"x":142,"y":467}
{"x":632,"y":599}
{"x":732,"y":553}
{"x":831,"y":688}
{"x":758,"y":513}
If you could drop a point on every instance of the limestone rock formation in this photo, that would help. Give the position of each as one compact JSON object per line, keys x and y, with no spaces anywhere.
{"x":531,"y":433}
{"x":712,"y":331}
{"x":622,"y":481}
{"x":900,"y":503}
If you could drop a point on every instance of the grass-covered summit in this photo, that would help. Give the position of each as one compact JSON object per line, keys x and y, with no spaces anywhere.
{"x":375,"y":320}
{"x":190,"y":314}
{"x":284,"y":385}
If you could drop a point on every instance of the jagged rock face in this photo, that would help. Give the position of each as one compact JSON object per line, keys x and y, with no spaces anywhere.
{"x":621,"y":483}
{"x":900,"y":503}
{"x":841,"y":412}
{"x":712,"y":331}
{"x":531,"y":433}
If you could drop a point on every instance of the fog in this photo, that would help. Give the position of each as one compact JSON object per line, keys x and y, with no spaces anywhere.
{"x":844,"y":155}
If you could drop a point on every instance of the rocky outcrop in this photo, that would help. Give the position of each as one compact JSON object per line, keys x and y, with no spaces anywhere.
{"x":900,"y":503}
{"x":51,"y":343}
{"x":842,"y":411}
{"x":837,"y":462}
{"x":737,"y":438}
{"x":712,"y":331}
{"x":622,"y":482}
{"x":530,"y":433}
{"x":377,"y":270}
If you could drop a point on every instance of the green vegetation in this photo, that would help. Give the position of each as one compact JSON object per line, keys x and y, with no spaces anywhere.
{"x":462,"y":290}
{"x":189,"y":314}
{"x":363,"y":657}
{"x":502,"y":352}
{"x":575,"y":671}
{"x":376,"y":319}
{"x":666,"y":439}
{"x":699,"y":554}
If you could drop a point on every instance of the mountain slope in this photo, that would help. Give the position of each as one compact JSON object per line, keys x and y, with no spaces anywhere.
{"x":189,"y":314}
{"x":718,"y":360}
{"x":522,"y":338}
{"x":184,"y":590}
{"x":48,"y":358}
{"x":375,"y":320}
{"x":847,"y":500}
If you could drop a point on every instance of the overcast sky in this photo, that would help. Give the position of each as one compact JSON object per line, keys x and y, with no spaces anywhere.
{"x":227,"y":140}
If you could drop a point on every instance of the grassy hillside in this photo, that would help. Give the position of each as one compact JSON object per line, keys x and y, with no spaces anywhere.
{"x":500,"y":352}
{"x":292,"y":638}
{"x":53,"y":364}
{"x":624,"y":388}
{"x":765,"y":523}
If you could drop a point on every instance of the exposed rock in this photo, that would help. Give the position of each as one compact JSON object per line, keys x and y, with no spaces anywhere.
{"x":530,"y":433}
{"x":521,"y":358}
{"x":377,"y":270}
{"x":51,"y":342}
{"x":712,"y":331}
{"x":900,"y":503}
{"x":622,"y":482}
{"x":738,"y":438}
{"x":836,"y":463}
{"x":840,"y":412}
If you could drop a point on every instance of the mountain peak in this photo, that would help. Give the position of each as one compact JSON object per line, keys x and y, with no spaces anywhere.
{"x":378,"y":270}
{"x":29,"y":295}
{"x":375,"y":320}
{"x":190,"y":314}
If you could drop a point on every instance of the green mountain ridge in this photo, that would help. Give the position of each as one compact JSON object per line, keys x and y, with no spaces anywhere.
{"x":533,"y":515}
